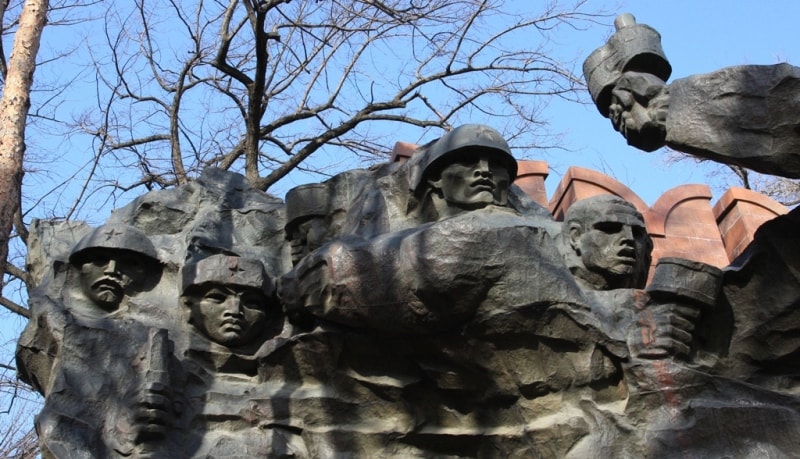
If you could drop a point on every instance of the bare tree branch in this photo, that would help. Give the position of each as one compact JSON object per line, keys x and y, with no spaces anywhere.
{"x":14,"y":307}
{"x":3,"y":65}
{"x":274,"y":101}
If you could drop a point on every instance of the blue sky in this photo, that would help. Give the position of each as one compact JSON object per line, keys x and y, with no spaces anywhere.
{"x":697,"y":37}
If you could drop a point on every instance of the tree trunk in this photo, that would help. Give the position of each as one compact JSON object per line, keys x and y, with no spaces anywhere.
{"x":14,"y":105}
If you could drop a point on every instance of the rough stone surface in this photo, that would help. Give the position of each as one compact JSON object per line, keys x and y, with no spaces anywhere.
{"x":745,"y":115}
{"x":435,"y":315}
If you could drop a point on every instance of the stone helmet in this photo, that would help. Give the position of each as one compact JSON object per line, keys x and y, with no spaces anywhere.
{"x":304,"y":201}
{"x":227,"y":270}
{"x":114,"y":236}
{"x":468,"y":136}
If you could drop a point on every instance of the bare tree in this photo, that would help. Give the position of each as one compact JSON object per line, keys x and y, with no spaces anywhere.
{"x":24,"y":21}
{"x":783,"y":190}
{"x":17,"y":437}
{"x":14,"y":106}
{"x":261,"y":87}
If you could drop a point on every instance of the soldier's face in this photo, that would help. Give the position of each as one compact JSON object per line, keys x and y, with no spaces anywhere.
{"x":228,"y":315}
{"x":108,"y":275}
{"x":474,"y":181}
{"x":615,"y":246}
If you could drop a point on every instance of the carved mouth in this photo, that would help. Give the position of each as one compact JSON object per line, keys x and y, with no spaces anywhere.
{"x":627,"y":255}
{"x":232,"y":325}
{"x":483,"y":185}
{"x":107,"y":285}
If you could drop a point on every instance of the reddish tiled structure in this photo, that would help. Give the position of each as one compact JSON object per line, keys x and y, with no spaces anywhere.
{"x":739,"y":213}
{"x":530,"y":177}
{"x":402,"y":151}
{"x":682,"y":222}
{"x":579,"y":183}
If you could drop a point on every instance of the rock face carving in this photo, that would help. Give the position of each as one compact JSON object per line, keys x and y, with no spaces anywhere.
{"x":422,"y":309}
{"x":608,"y":246}
{"x":229,"y":298}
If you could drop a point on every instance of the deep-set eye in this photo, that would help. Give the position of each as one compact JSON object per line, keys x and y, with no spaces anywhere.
{"x":100,"y":260}
{"x":468,"y":158}
{"x":608,"y":227}
{"x":252,"y":301}
{"x":216,"y":296}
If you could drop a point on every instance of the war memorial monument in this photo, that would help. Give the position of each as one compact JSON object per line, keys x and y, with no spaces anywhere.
{"x":430,"y":308}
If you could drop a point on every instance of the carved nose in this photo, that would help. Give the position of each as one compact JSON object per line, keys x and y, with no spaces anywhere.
{"x":111,"y":267}
{"x":233,"y":306}
{"x":627,"y":234}
{"x":482,"y":168}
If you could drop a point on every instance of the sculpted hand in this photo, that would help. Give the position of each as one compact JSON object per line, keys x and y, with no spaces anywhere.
{"x":303,"y":291}
{"x":289,"y":295}
{"x":638,"y":109}
{"x":153,"y":412}
{"x":663,"y":330}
